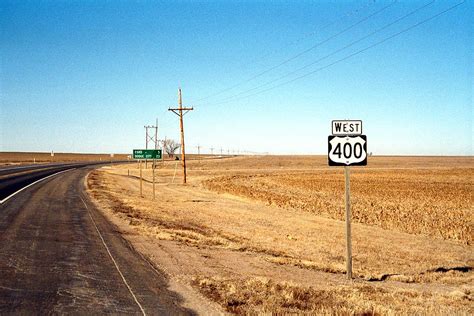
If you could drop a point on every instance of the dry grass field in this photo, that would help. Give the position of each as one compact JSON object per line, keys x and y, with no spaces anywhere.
{"x":265,"y":234}
{"x":18,"y":158}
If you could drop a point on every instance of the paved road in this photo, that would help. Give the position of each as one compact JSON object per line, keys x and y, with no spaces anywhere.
{"x":58,"y":254}
{"x":8,"y":170}
{"x":14,"y":178}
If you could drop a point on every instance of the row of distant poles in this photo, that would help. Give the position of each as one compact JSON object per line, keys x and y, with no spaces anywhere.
{"x":151,"y":133}
{"x":151,"y":136}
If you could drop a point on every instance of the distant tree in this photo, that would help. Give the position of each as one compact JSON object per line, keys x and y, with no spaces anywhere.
{"x":170,"y":146}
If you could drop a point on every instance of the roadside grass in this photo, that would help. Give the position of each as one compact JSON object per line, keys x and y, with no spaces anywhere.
{"x":255,"y":296}
{"x":393,"y":269}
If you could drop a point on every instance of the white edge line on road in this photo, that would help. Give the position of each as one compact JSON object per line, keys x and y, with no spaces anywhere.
{"x":29,"y":185}
{"x":113,"y":260}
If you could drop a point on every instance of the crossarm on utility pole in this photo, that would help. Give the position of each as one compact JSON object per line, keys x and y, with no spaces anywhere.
{"x":179,"y":111}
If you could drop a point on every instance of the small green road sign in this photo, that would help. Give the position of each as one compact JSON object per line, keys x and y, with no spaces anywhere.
{"x":147,"y":154}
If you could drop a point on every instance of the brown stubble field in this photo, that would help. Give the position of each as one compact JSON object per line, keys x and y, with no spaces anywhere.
{"x":265,"y":234}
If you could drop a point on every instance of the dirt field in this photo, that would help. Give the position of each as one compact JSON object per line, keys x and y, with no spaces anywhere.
{"x":18,"y":158}
{"x":265,"y":234}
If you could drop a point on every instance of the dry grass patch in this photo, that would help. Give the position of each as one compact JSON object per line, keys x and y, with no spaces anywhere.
{"x":261,"y":295}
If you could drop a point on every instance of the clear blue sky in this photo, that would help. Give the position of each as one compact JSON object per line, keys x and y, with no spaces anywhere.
{"x":85,"y":76}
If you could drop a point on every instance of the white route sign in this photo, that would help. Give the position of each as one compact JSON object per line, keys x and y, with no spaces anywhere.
{"x":347,"y":150}
{"x":347,"y":147}
{"x":346,"y":127}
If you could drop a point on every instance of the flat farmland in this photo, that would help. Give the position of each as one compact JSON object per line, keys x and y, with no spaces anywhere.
{"x":18,"y":158}
{"x":266,"y":234}
{"x":435,"y":201}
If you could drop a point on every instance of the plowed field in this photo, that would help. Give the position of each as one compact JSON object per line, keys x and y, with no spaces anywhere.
{"x":436,"y":202}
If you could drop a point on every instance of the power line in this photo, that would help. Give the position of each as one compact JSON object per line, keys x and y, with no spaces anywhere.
{"x":346,"y":14}
{"x":233,"y":97}
{"x":300,"y":53}
{"x":350,"y":55}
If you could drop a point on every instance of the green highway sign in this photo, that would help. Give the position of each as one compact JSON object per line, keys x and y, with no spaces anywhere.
{"x":147,"y":154}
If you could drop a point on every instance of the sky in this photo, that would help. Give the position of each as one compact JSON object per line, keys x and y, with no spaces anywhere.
{"x":262,"y":76}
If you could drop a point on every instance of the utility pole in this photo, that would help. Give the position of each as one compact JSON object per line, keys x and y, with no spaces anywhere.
{"x":212,"y":151}
{"x":154,"y":160}
{"x":149,"y":137}
{"x":179,"y":111}
{"x":221,"y":151}
{"x":199,"y":154}
{"x":156,"y":134}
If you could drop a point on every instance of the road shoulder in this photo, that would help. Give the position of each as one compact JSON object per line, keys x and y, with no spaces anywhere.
{"x":161,"y":260}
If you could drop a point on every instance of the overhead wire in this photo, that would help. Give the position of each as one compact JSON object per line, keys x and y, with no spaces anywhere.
{"x":300,"y":53}
{"x":348,"y":56}
{"x":308,"y":35}
{"x":233,"y":97}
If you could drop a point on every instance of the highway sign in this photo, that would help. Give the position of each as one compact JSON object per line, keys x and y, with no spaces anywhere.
{"x":147,"y":154}
{"x":346,"y":127}
{"x":347,"y":150}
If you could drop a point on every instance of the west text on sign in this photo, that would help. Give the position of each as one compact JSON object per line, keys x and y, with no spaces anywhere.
{"x":346,"y":127}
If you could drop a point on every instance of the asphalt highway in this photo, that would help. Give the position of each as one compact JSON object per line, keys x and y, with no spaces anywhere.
{"x":60,"y":255}
{"x":14,"y":178}
{"x":17,"y":169}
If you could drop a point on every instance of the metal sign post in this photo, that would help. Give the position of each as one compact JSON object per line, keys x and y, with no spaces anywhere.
{"x":147,"y":154}
{"x":348,"y":222}
{"x":153,"y":172}
{"x":347,"y":147}
{"x":141,"y":179}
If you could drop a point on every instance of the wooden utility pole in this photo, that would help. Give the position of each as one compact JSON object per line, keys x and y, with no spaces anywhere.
{"x":141,"y":179}
{"x":179,"y":111}
{"x":348,"y":222}
{"x":199,"y":153}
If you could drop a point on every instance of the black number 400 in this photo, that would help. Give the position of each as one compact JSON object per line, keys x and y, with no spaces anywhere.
{"x":347,"y":150}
